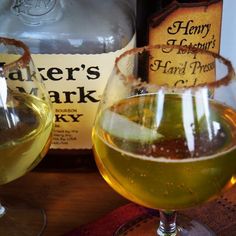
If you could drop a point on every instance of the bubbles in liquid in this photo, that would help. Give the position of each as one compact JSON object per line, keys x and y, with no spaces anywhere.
{"x":222,"y":135}
{"x":154,"y":148}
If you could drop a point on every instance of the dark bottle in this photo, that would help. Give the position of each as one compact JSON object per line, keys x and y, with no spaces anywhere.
{"x":195,"y":23}
{"x":157,"y":19}
{"x":145,"y":9}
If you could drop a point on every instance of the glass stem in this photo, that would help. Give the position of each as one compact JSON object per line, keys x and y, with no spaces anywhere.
{"x":167,"y":225}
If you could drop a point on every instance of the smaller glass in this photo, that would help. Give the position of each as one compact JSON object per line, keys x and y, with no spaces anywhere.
{"x":165,"y":133}
{"x":26,"y":123}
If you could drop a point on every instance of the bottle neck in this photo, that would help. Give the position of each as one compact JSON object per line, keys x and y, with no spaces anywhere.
{"x":145,"y":9}
{"x":37,"y":12}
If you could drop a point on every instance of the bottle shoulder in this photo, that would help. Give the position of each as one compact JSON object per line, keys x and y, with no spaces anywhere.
{"x":85,"y":26}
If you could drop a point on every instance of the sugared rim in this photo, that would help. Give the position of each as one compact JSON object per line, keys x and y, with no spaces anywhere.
{"x":23,"y":60}
{"x":210,"y":85}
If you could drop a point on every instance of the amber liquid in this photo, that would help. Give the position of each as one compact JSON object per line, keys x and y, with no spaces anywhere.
{"x":25,"y":135}
{"x":183,"y":167}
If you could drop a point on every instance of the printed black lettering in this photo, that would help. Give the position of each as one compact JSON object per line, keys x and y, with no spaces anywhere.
{"x":75,"y":117}
{"x":71,"y":73}
{"x":52,"y":72}
{"x":68,"y":96}
{"x":85,"y":97}
{"x":40,"y":72}
{"x":93,"y":72}
{"x":33,"y":91}
{"x":55,"y":97}
{"x":61,"y":118}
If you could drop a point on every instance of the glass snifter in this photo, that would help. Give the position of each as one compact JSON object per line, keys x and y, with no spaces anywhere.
{"x":26,"y":122}
{"x":163,"y":145}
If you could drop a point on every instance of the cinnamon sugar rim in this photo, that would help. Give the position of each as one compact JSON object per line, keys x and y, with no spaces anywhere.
{"x":211,"y":85}
{"x":24,"y":58}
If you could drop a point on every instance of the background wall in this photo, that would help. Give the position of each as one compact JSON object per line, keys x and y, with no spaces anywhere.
{"x":228,"y":34}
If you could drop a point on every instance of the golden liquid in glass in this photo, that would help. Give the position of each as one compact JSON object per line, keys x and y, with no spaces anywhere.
{"x":168,"y":173}
{"x":25,"y":135}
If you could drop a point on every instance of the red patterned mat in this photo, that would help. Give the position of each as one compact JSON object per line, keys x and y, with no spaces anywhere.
{"x":219,"y":215}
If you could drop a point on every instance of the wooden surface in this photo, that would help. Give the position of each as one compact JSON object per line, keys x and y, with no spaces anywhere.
{"x":70,"y":199}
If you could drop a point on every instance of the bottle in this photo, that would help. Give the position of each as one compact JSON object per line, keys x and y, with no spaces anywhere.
{"x":195,"y":23}
{"x":145,"y":10}
{"x":74,"y":44}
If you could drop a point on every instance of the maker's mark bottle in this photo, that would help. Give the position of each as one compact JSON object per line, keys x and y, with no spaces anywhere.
{"x":74,"y":44}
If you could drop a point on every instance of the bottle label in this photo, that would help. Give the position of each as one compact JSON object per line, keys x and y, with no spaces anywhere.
{"x":75,"y":84}
{"x":186,"y":24}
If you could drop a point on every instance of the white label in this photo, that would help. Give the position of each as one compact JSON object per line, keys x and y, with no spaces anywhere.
{"x":75,"y":84}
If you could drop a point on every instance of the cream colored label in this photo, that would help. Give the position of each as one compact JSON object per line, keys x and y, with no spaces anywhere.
{"x":75,"y":84}
{"x":197,"y":25}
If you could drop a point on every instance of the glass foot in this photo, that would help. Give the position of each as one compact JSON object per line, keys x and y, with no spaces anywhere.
{"x":22,"y":221}
{"x":147,"y":225}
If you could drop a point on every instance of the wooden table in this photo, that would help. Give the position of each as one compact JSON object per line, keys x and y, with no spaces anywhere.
{"x":74,"y":198}
{"x":70,"y":199}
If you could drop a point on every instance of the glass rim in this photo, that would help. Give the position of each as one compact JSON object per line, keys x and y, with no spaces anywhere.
{"x":223,"y":81}
{"x":23,"y":60}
